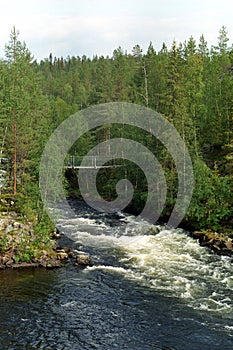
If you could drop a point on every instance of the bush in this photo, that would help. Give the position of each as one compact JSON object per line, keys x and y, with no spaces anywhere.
{"x":211,"y":204}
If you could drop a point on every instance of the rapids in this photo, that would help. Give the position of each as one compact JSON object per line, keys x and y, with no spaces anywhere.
{"x":149,"y":288}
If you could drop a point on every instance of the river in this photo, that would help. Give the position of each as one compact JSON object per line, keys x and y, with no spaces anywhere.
{"x":148,"y":288}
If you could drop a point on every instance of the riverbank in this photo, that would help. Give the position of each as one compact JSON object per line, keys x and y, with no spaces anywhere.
{"x":21,"y":247}
{"x":219,"y":243}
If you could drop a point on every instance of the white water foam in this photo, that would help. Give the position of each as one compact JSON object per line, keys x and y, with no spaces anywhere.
{"x":169,"y":261}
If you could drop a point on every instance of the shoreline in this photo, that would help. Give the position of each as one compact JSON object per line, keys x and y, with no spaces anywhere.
{"x":18,"y":238}
{"x":218,"y":243}
{"x":21,"y":247}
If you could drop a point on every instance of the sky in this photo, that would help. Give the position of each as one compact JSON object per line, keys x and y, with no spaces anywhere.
{"x":97,"y":27}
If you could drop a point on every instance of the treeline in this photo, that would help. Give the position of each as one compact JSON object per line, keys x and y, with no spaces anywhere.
{"x":190,"y":84}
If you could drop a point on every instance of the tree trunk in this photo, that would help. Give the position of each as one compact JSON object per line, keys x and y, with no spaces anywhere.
{"x":15,"y":160}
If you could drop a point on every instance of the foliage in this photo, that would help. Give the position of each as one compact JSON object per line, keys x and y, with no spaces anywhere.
{"x":211,"y":205}
{"x":189,"y":84}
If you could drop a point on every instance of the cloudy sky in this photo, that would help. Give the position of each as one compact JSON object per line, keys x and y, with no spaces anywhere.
{"x":77,"y":27}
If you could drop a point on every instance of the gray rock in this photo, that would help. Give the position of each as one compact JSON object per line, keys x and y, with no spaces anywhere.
{"x":17,"y":224}
{"x":8,"y":229}
{"x":83,"y":259}
{"x":62,"y":255}
{"x":229,"y":245}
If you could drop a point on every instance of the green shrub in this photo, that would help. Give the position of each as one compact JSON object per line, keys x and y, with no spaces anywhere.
{"x":211,"y":204}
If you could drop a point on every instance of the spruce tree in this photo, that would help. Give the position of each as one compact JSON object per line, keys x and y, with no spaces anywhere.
{"x":26,"y":113}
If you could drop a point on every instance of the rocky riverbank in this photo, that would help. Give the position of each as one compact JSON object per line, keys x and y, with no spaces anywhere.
{"x":21,"y":247}
{"x":220,"y":244}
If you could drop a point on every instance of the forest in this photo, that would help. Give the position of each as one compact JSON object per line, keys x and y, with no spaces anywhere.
{"x":190,"y":84}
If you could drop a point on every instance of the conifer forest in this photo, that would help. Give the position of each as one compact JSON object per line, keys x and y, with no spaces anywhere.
{"x":189,"y":83}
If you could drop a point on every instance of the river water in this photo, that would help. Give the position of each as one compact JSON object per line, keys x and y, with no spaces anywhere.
{"x":148,"y":288}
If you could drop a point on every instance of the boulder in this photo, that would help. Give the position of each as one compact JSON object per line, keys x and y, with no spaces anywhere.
{"x":56,"y":235}
{"x":69,"y":251}
{"x":83,"y":259}
{"x":197,"y":235}
{"x":229,"y":245}
{"x":62,"y":255}
{"x":217,"y":246}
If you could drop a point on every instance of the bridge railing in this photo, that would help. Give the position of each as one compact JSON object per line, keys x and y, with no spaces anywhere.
{"x":92,"y":161}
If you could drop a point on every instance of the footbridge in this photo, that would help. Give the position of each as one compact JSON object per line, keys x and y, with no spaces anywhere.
{"x":92,"y":162}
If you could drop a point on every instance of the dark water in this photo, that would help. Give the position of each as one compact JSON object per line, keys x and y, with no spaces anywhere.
{"x":158,"y":291}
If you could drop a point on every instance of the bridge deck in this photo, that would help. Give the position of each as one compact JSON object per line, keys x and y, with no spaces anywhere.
{"x":92,"y":166}
{"x":94,"y":161}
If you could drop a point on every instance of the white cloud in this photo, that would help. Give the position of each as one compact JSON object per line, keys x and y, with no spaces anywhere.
{"x":68,"y":27}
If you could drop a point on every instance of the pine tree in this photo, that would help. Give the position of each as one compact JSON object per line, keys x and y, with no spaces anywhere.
{"x":193,"y":92}
{"x":203,"y":47}
{"x":219,"y":92}
{"x":121,"y":76}
{"x":25,"y":111}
